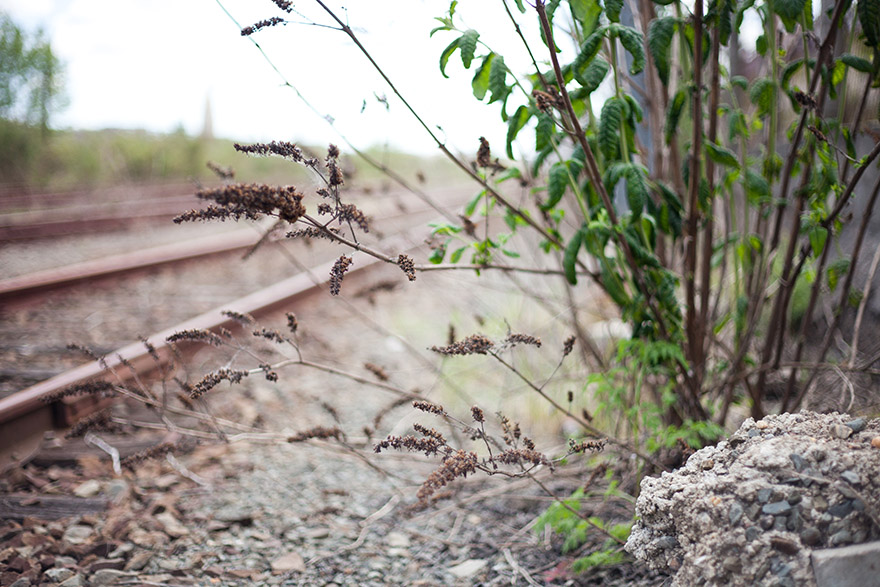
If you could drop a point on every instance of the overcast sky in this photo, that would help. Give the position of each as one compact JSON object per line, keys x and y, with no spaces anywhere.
{"x":153,"y":65}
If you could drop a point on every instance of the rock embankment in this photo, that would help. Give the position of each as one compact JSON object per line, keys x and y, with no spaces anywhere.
{"x":752,"y":509}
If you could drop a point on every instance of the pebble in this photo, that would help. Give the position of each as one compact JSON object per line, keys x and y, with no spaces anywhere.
{"x":875,"y":442}
{"x":75,"y":581}
{"x":117,"y":490}
{"x":766,"y":522}
{"x":468,"y":568}
{"x":105,"y":577}
{"x":77,"y":534}
{"x":842,"y":537}
{"x":857,"y":425}
{"x":810,"y":536}
{"x":666,"y":542}
{"x":21,"y":582}
{"x":736,"y":513}
{"x":841,"y":509}
{"x":764,"y":494}
{"x":397,"y":540}
{"x":58,"y":575}
{"x":841,"y":431}
{"x":171,"y":525}
{"x":800,"y":463}
{"x":752,"y":532}
{"x":90,"y":488}
{"x":777,"y":508}
{"x":784,"y":545}
{"x":291,"y":561}
{"x":851,"y":477}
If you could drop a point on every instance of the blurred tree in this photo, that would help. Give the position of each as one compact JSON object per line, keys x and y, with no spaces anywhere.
{"x":31,"y":76}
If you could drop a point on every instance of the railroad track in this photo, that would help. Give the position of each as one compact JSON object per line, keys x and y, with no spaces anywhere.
{"x":24,"y":417}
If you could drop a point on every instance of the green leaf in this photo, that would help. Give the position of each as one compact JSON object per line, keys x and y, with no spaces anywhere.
{"x":761,"y":45}
{"x":498,"y":80}
{"x":480,"y":83}
{"x":869,"y":18}
{"x":514,"y":125}
{"x":569,"y":257}
{"x":519,"y":5}
{"x":447,"y":53}
{"x":437,"y":255}
{"x":609,"y":127}
{"x":789,"y":9}
{"x":589,"y":49}
{"x":586,"y":12}
{"x":631,"y":40}
{"x":660,"y":33}
{"x":612,"y":9}
{"x":757,"y":187}
{"x":721,"y":155}
{"x":511,"y":173}
{"x":468,"y":44}
{"x":761,"y":94}
{"x":544,"y":132}
{"x":636,"y":189}
{"x":837,"y":270}
{"x":838,"y":72}
{"x":472,"y":205}
{"x":673,"y":114}
{"x":557,"y":181}
{"x":591,"y":78}
{"x":857,"y":63}
{"x":613,"y":284}
{"x":818,"y":236}
{"x":456,"y":254}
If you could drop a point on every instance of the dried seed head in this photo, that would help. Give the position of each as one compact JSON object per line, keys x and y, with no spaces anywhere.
{"x":281,"y":148}
{"x":484,"y":154}
{"x":324,"y":208}
{"x":338,"y":272}
{"x":250,"y":201}
{"x":225,"y":173}
{"x":591,"y":444}
{"x":513,"y":339}
{"x":477,"y":414}
{"x":151,"y":453}
{"x":805,"y":100}
{"x":429,"y":407}
{"x":333,"y":151}
{"x":101,"y":388}
{"x":249,"y":30}
{"x":406,"y":264}
{"x":570,"y":396}
{"x":211,"y":380}
{"x":244,"y":319}
{"x":376,"y":370}
{"x":292,"y":323}
{"x":474,"y":344}
{"x":568,"y":346}
{"x":428,"y":445}
{"x":316,"y":432}
{"x":272,"y":335}
{"x":99,"y":421}
{"x":284,"y":5}
{"x":430,"y":432}
{"x":459,"y":464}
{"x":351,"y":213}
{"x":196,"y":335}
{"x":521,"y":456}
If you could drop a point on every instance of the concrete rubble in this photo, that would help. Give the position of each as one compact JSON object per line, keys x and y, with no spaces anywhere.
{"x":757,"y":508}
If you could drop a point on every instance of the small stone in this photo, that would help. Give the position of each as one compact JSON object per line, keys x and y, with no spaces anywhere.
{"x":849,"y":565}
{"x":735,"y":513}
{"x":841,"y":431}
{"x":290,"y":562}
{"x":776,"y":508}
{"x":752,"y":532}
{"x":732,"y":564}
{"x":820,"y":503}
{"x":875,"y":442}
{"x":841,"y":509}
{"x":842,"y":537}
{"x":851,"y":477}
{"x":810,"y":536}
{"x":75,"y":581}
{"x":397,"y":540}
{"x":666,"y":542}
{"x":64,"y":561}
{"x":235,"y":515}
{"x":171,"y":525}
{"x":784,"y":569}
{"x":753,"y":510}
{"x":846,"y":491}
{"x":762,"y":425}
{"x":753,"y":433}
{"x":77,"y":534}
{"x":794,"y":498}
{"x":139,"y":560}
{"x":784,"y":545}
{"x":468,"y":568}
{"x":780,"y":523}
{"x":318,"y":533}
{"x":707,"y":464}
{"x":857,"y":425}
{"x":794,"y":522}
{"x":90,"y":488}
{"x":764,"y":494}
{"x":106,"y":577}
{"x":58,"y":575}
{"x":858,"y":505}
{"x":21,"y":582}
{"x":766,"y":522}
{"x":117,"y":490}
{"x":800,"y":463}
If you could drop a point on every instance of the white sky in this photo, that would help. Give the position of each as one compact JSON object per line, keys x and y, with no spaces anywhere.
{"x":137,"y":64}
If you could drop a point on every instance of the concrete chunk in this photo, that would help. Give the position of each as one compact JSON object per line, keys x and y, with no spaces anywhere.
{"x":849,"y":566}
